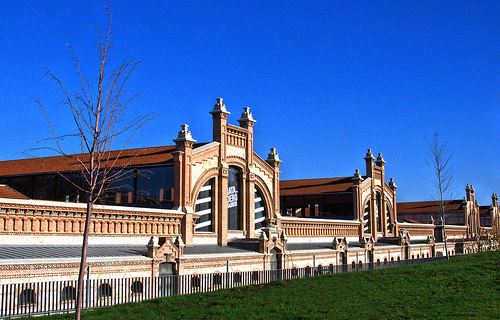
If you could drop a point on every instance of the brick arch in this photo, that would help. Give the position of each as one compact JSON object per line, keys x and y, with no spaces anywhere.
{"x":391,"y":211}
{"x":369,"y":196}
{"x":266,"y":193}
{"x":368,"y":199}
{"x":237,"y":162}
{"x":205,"y":176}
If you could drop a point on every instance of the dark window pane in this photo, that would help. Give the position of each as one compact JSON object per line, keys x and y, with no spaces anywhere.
{"x":137,"y":287}
{"x":66,"y":187}
{"x":121,"y":189}
{"x":21,"y":184}
{"x":45,"y":187}
{"x":153,"y":186}
{"x":27,"y":296}
{"x":233,"y":202}
{"x":68,"y":293}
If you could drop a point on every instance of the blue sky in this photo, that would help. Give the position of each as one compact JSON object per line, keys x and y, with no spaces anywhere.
{"x":324,"y":79}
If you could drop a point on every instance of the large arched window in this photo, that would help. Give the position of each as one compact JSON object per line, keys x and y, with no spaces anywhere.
{"x":378,"y":211}
{"x":204,"y":207}
{"x":366,"y":218}
{"x":388,"y":218}
{"x":234,"y":199}
{"x":260,"y":211}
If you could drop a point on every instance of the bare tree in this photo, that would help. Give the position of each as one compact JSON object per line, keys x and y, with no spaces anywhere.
{"x":439,"y":160}
{"x":97,"y":111}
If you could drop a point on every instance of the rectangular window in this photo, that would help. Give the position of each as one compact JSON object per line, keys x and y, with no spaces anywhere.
{"x":153,"y":186}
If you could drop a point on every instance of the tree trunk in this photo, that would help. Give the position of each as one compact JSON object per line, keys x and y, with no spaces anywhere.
{"x":83,"y":261}
{"x":443,"y":215}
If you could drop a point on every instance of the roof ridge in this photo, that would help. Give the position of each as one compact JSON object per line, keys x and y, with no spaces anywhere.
{"x":324,"y":178}
{"x":421,"y":201}
{"x":78,"y":154}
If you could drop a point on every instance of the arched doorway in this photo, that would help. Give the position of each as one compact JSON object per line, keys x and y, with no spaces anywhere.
{"x":275,"y":259}
{"x":275,"y":264}
{"x":406,"y":252}
{"x":370,"y":259}
{"x":342,"y":262}
{"x":167,"y":280}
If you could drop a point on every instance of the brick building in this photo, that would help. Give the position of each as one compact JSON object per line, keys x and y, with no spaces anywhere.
{"x":214,"y":207}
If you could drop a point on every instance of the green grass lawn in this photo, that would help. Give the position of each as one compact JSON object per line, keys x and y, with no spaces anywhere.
{"x":466,"y":287}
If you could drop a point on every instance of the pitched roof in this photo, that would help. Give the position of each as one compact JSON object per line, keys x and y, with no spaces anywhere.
{"x":127,"y":157}
{"x":315,"y":186}
{"x":427,"y":206}
{"x":8,"y":192}
{"x":484,"y":210}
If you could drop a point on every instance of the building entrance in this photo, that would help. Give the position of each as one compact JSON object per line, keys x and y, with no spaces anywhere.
{"x":167,"y":280}
{"x":275,"y":264}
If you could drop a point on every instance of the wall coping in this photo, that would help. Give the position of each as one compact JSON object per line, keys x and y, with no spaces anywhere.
{"x":82,"y":205}
{"x":285,"y":218}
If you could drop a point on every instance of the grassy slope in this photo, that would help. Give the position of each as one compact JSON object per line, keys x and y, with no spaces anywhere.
{"x":464,"y":288}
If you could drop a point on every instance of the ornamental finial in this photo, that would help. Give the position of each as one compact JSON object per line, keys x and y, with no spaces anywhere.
{"x":246,"y":116}
{"x":273,"y":155}
{"x":369,"y":154}
{"x":380,"y":159}
{"x":357,"y":176}
{"x":184,"y":134}
{"x":219,"y":106}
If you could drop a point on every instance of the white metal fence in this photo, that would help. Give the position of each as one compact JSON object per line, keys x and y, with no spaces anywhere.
{"x":35,"y":298}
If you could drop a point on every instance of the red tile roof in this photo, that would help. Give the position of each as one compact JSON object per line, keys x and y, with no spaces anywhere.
{"x":427,"y":206}
{"x":127,"y":157}
{"x":8,"y":192}
{"x":315,"y":186}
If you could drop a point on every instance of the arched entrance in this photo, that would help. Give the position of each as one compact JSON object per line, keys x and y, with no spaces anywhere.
{"x":406,"y":252}
{"x":370,"y":259}
{"x":167,"y":280}
{"x":275,"y":264}
{"x":275,"y":259}
{"x":342,"y":262}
